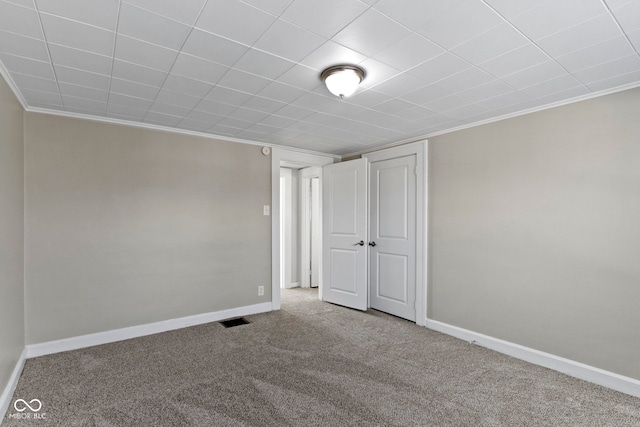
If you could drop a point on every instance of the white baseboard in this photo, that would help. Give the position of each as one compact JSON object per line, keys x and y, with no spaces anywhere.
{"x":5,"y":398}
{"x":74,"y":343}
{"x":566,"y":366}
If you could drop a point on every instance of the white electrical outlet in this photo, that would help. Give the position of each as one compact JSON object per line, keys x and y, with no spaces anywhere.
{"x":266,"y":210}
{"x":260,"y":291}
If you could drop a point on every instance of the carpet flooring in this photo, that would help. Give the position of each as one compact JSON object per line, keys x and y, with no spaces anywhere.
{"x":309,"y":364}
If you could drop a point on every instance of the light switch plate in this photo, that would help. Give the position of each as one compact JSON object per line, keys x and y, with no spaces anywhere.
{"x":266,"y":210}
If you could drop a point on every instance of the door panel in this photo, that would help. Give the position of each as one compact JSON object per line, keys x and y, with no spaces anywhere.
{"x":344,"y":227}
{"x":393,"y":229}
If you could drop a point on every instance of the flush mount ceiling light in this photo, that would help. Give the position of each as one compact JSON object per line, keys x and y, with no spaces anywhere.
{"x":342,"y":80}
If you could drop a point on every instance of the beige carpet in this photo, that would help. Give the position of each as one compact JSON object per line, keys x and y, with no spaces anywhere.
{"x":309,"y":364}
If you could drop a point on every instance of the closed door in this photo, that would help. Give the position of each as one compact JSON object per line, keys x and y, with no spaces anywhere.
{"x":392,"y":236}
{"x":344,"y":234}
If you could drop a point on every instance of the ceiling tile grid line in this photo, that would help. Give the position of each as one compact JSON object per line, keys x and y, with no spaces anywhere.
{"x":251,"y":70}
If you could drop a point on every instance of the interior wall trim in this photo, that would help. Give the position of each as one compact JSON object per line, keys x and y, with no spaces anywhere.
{"x":570,"y":367}
{"x":90,"y":340}
{"x":10,"y":388}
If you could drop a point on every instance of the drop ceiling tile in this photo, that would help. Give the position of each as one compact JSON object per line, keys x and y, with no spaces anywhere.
{"x":25,"y":3}
{"x":510,"y":8}
{"x":34,"y":83}
{"x":415,"y":13}
{"x":131,"y":50}
{"x":244,"y":82}
{"x":616,"y":4}
{"x":447,"y":103}
{"x":222,"y":17}
{"x":198,"y":68}
{"x":493,"y":43}
{"x":564,"y":94}
{"x":79,"y":59}
{"x":409,"y":52}
{"x":15,"y":44}
{"x":27,"y":66}
{"x":277,"y":121}
{"x":485,"y":90}
{"x":466,"y":111}
{"x":137,"y":90}
{"x":162,"y":119}
{"x":289,"y":41}
{"x":634,"y":38}
{"x":263,"y":105}
{"x":214,"y":107}
{"x":460,"y":24}
{"x":464,"y":80}
{"x":302,"y":77}
{"x":185,"y":11}
{"x":370,"y":33}
{"x":149,"y":27}
{"x":263,"y":64}
{"x":321,"y":17}
{"x":427,"y":94}
{"x":82,"y":78}
{"x":125,"y":112}
{"x":394,"y":106}
{"x":36,"y":96}
{"x":20,"y":20}
{"x":203,"y":116}
{"x":293,"y":112}
{"x":553,"y":16}
{"x":330,"y":54}
{"x":248,"y":115}
{"x":369,"y":98}
{"x":101,"y":13}
{"x":274,"y":7}
{"x":130,"y":101}
{"x":77,"y":35}
{"x":178,"y":99}
{"x":376,"y":73}
{"x":137,"y":73}
{"x":517,"y":60}
{"x":617,"y":81}
{"x":595,"y":54}
{"x":228,"y":96}
{"x":235,"y":123}
{"x":627,"y":64}
{"x":67,"y":89}
{"x":439,"y":68}
{"x":195,"y":125}
{"x":628,"y":16}
{"x":584,"y":34}
{"x":169,"y":109}
{"x":187,"y":86}
{"x":281,"y":92}
{"x":552,"y":86}
{"x":505,"y":100}
{"x":400,"y":85}
{"x":417,"y":113}
{"x":534,"y":75}
{"x":214,"y":48}
{"x":84,"y":106}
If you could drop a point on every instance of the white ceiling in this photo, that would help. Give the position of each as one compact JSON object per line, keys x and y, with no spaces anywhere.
{"x":250,"y":69}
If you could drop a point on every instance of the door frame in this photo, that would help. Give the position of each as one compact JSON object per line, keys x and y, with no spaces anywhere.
{"x":421,"y":151}
{"x":306,"y":175}
{"x":278,"y":156}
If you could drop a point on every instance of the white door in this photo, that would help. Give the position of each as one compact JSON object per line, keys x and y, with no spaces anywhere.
{"x":344,"y":231}
{"x":392,"y":237}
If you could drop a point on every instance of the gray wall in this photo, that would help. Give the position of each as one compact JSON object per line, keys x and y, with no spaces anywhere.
{"x":535,"y":231}
{"x":11,"y":233}
{"x":129,"y":226}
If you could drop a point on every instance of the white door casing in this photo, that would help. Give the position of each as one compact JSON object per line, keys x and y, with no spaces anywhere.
{"x":344,"y":233}
{"x":392,"y":236}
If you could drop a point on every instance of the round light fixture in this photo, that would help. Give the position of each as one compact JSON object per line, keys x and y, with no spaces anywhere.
{"x":342,"y":80}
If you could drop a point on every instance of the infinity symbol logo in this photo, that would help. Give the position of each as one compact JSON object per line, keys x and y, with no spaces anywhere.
{"x":35,"y":408}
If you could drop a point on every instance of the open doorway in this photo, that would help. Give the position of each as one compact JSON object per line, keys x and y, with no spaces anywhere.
{"x":307,"y":259}
{"x":300,"y":240}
